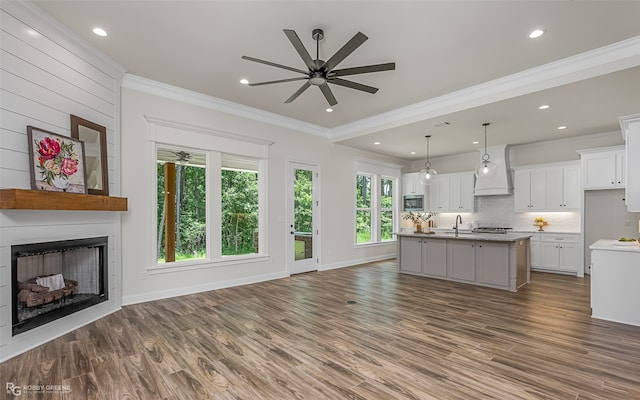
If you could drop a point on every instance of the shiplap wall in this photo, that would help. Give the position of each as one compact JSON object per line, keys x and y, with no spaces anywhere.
{"x":46,"y":74}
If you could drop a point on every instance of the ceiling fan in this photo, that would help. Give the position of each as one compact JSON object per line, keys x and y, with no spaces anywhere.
{"x":320,"y":73}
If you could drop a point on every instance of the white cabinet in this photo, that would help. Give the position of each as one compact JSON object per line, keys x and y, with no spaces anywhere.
{"x":451,"y":193}
{"x":536,"y":251}
{"x":630,"y":126}
{"x":562,"y":188}
{"x":492,"y":263}
{"x":529,"y":189}
{"x":461,"y":260}
{"x":461,"y":189}
{"x":411,"y":184}
{"x":547,"y":187}
{"x":603,"y":168}
{"x":557,"y":253}
{"x":438,"y":194}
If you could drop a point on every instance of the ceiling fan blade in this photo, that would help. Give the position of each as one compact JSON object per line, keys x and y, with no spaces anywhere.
{"x":297,"y":44}
{"x":274,"y":64}
{"x":326,"y":91}
{"x":298,"y":92}
{"x":363,"y":70}
{"x":353,"y":85}
{"x":347,"y":49}
{"x":279,"y":81}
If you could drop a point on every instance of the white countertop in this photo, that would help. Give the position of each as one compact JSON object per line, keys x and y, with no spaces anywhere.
{"x":489,"y":237}
{"x":614,"y":245}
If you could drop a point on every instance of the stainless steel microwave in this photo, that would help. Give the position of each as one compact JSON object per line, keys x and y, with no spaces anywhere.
{"x":413,"y":202}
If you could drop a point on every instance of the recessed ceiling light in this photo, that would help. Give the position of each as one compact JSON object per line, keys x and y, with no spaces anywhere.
{"x":329,"y":110}
{"x":476,"y":142}
{"x":536,"y":33}
{"x":543,"y":107}
{"x":376,"y":143}
{"x":99,"y":32}
{"x":561,"y":127}
{"x":413,"y":153}
{"x":244,"y":81}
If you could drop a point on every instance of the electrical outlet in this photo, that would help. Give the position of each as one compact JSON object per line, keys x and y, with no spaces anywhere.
{"x":627,"y":223}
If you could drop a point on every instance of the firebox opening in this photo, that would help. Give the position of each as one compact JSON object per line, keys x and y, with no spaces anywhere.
{"x":53,"y":279}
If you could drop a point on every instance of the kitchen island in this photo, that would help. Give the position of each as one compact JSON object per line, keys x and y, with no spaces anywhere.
{"x":615,"y":274}
{"x":500,"y":261}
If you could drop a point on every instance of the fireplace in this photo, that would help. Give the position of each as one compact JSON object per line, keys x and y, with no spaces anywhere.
{"x":53,"y":279}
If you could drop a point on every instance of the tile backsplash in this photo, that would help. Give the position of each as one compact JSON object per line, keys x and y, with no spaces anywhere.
{"x":498,"y":211}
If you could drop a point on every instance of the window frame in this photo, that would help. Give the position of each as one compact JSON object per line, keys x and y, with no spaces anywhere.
{"x":215,"y":145}
{"x":377,"y":171}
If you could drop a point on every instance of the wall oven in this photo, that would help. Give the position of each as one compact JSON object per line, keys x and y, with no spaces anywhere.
{"x":413,"y":202}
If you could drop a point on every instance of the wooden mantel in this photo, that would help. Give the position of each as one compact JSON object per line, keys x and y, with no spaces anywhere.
{"x":24,"y":199}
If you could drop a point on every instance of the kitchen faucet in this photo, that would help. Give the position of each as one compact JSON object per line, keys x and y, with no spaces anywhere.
{"x":458,"y":218}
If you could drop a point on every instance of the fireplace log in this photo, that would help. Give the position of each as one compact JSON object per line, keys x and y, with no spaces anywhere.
{"x":34,"y":295}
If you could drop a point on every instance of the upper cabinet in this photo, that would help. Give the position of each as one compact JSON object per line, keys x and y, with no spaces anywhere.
{"x":529,"y":187}
{"x":548,"y":187}
{"x":563,"y":188}
{"x":411,"y":184}
{"x":630,"y":126}
{"x":451,"y":193}
{"x":439,"y":194}
{"x":603,"y":168}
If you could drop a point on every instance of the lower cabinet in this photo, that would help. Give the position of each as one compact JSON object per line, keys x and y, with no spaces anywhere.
{"x":461,"y":260}
{"x":497,"y":264}
{"x":434,"y":257}
{"x":423,"y":256}
{"x":492,"y":263}
{"x":556,"y":253}
{"x":410,"y":255}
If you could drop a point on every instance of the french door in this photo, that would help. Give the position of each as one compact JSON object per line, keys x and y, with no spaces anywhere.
{"x":303,"y":218}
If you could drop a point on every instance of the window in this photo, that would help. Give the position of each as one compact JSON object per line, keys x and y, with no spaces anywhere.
{"x":363,"y":209}
{"x":209,"y":196}
{"x":240,"y":210}
{"x":181,"y":212}
{"x":386,"y":208}
{"x":376,"y":203}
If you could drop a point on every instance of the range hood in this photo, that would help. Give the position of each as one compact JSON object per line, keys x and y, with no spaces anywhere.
{"x":500,"y":182}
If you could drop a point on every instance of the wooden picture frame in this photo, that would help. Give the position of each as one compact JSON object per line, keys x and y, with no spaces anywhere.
{"x":56,"y":162}
{"x":94,"y":137}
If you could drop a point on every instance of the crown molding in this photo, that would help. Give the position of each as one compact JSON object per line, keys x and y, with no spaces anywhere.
{"x":156,"y":88}
{"x":615,"y":57}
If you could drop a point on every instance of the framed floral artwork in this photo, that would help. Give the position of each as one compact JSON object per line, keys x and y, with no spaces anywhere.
{"x":56,"y":162}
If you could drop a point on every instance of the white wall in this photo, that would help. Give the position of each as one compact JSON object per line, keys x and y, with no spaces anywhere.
{"x":46,"y":75}
{"x":337,"y":191}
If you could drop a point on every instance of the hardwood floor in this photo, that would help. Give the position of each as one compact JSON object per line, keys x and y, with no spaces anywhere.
{"x":406,"y":337}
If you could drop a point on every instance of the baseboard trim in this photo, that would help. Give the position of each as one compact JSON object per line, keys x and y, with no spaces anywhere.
{"x":352,"y":263}
{"x":164,"y":294}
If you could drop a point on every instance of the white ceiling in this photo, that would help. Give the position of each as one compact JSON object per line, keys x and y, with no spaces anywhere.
{"x":464,"y":62}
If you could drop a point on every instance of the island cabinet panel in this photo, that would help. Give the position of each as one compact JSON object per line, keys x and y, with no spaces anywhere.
{"x":492,"y":263}
{"x":434,"y":257}
{"x":461,"y":260}
{"x":410,"y":255}
{"x":497,"y":261}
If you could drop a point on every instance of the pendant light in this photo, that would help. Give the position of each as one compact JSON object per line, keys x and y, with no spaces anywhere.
{"x":485,"y":168}
{"x":427,"y":173}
